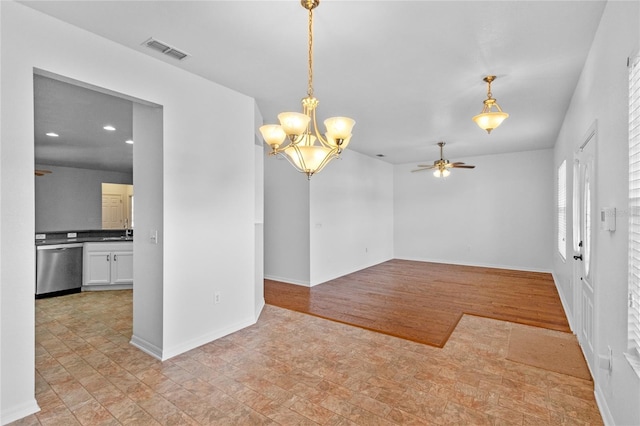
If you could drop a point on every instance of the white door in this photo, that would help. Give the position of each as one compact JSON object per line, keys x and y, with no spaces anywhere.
{"x":584,"y":238}
{"x":112,"y":211}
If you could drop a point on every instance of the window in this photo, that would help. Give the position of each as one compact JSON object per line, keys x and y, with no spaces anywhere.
{"x":562,"y":210}
{"x":634,"y":214}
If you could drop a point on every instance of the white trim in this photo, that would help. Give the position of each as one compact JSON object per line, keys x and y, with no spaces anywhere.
{"x":601,"y":401}
{"x":634,"y":362}
{"x":20,"y":411}
{"x":563,"y":300}
{"x":146,"y":347}
{"x":479,"y":265}
{"x":206,"y":338}
{"x":258,"y":310}
{"x":287,"y":280}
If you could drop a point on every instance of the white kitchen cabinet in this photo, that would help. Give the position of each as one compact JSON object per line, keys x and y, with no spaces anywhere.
{"x":107,"y":264}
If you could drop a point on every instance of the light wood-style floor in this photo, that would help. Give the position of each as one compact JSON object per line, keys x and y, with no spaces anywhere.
{"x":424,"y":301}
{"x":289,"y":369}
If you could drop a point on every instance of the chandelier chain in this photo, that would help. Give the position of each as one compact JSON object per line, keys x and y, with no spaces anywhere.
{"x":310,"y":82}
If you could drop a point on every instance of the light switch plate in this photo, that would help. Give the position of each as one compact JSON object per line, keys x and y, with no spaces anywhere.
{"x":72,"y":234}
{"x":41,"y":236}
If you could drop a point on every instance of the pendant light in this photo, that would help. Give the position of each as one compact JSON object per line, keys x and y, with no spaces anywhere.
{"x":309,"y":152}
{"x":488,"y":119}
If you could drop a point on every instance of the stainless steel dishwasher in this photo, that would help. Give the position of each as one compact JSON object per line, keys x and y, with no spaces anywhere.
{"x":58,"y":269}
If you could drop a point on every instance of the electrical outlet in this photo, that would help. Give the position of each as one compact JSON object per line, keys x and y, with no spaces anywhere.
{"x":216,"y":297}
{"x":72,"y":234}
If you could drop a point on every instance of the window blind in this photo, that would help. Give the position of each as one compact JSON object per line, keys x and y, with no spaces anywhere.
{"x":634,"y":211}
{"x":562,"y":209}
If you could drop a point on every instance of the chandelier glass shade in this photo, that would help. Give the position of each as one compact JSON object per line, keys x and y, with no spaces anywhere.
{"x":489,"y":119}
{"x":297,"y":137}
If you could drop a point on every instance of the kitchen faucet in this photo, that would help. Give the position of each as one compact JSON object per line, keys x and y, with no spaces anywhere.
{"x":128,"y":233}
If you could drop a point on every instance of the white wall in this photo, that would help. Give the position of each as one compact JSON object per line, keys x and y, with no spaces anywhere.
{"x":351,"y":217}
{"x":70,"y":198}
{"x":286,"y":223}
{"x":339,"y":222}
{"x":602,"y":95}
{"x":207,"y":184}
{"x":497,"y":215}
{"x":259,"y":213}
{"x":148,"y":266}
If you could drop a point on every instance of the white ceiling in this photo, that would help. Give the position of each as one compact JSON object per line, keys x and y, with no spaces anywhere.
{"x":77,"y":115}
{"x":409,"y":72}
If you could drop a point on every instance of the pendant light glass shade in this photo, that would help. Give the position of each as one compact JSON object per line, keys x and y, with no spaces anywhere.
{"x":489,"y":119}
{"x":307,"y":150}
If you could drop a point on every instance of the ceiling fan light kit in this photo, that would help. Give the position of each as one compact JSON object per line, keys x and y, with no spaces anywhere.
{"x":489,"y":119}
{"x":442,"y":166}
{"x":308,"y":153}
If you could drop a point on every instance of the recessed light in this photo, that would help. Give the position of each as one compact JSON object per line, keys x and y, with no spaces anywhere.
{"x":53,"y":135}
{"x":109,"y":128}
{"x":130,"y":142}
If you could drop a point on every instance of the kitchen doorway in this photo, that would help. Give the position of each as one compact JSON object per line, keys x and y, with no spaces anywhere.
{"x":78,"y":169}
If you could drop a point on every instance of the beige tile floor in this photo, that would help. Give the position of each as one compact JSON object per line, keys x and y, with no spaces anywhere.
{"x":289,"y":369}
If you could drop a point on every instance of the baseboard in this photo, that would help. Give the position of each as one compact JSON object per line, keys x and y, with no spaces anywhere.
{"x":340,"y":274}
{"x":601,"y":401}
{"x":146,"y":347}
{"x":17,"y":413}
{"x":567,"y":312}
{"x":479,"y":265}
{"x":286,"y":280}
{"x":203,"y":340}
{"x":258,"y":310}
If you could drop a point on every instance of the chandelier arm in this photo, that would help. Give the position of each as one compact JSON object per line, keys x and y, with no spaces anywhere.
{"x":300,"y":157}
{"x":318,"y":134}
{"x":330,"y":156}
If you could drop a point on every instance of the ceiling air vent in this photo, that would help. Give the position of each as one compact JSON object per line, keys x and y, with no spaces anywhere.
{"x":166,"y":49}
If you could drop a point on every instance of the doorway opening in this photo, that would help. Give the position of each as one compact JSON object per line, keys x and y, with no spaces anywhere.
{"x":88,"y":152}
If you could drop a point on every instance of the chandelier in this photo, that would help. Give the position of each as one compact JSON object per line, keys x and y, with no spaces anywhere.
{"x":309,"y":152}
{"x":488,"y":119}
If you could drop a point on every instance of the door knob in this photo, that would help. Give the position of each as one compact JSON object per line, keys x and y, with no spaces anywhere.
{"x":578,"y":257}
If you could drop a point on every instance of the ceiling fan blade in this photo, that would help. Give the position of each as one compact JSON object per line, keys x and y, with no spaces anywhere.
{"x":426,"y":165}
{"x":464,"y":166}
{"x":457,"y":162}
{"x":421,"y":170}
{"x":40,"y":172}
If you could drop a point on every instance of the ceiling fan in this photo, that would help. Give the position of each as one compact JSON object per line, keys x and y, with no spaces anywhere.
{"x":442,"y":166}
{"x":41,"y":172}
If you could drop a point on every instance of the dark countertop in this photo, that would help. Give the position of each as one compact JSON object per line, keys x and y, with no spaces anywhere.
{"x":101,"y":236}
